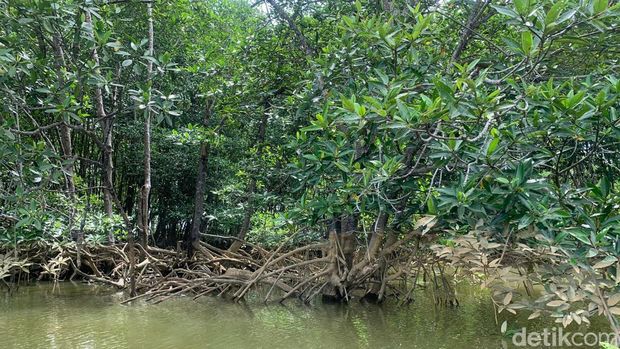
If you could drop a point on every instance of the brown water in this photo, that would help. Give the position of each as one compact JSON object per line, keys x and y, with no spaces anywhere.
{"x":82,"y":316}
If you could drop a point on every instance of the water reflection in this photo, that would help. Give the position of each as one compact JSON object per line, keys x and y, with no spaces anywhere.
{"x":81,"y":316}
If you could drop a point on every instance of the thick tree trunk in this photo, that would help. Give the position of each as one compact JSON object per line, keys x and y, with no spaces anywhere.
{"x":347,"y":238}
{"x":334,"y":291}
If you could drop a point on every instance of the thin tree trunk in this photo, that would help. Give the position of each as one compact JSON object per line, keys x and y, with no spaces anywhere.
{"x":374,"y":247}
{"x":63,"y":129}
{"x":67,"y":157}
{"x":146,"y":188}
{"x":106,"y":126}
{"x":130,"y":197}
{"x":194,"y":236}
{"x":474,"y":20}
{"x":373,"y":251}
{"x":291,"y":23}
{"x":200,"y":192}
{"x":245,"y":226}
{"x":377,"y":235}
{"x":247,"y":217}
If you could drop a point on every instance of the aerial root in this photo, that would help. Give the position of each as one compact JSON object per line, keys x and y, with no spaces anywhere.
{"x":303,"y":272}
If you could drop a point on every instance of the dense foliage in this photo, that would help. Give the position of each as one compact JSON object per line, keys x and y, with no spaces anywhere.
{"x":307,"y":118}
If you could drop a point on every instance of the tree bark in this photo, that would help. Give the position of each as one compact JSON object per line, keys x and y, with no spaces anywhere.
{"x":377,"y":235}
{"x":374,"y":247}
{"x":67,"y":157}
{"x":194,"y":236}
{"x":106,"y":126}
{"x":474,"y":20}
{"x":373,"y":252}
{"x":334,"y":291}
{"x":347,"y":238}
{"x":63,"y":130}
{"x":146,"y":188}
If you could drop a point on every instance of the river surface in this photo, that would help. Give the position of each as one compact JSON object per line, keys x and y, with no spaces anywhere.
{"x":73,"y":315}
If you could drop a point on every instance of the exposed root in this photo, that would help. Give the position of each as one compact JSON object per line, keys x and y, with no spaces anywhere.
{"x":304,"y":272}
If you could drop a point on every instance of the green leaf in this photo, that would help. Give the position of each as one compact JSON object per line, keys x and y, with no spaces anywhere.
{"x":601,"y":98}
{"x":25,"y":20}
{"x":568,"y":39}
{"x":445,"y":91}
{"x":402,"y":110}
{"x":358,"y":6}
{"x":348,"y":104}
{"x":311,"y":157}
{"x":342,"y":167}
{"x":492,"y":146}
{"x":600,"y":6}
{"x":554,"y":12}
{"x":494,"y":132}
{"x":502,"y":180}
{"x":522,"y":7}
{"x":581,"y":235}
{"x":566,"y":16}
{"x":360,"y":109}
{"x":472,"y":64}
{"x":9,"y":135}
{"x":43,"y":90}
{"x":520,"y":175}
{"x":430,"y":204}
{"x":525,"y":221}
{"x":505,"y":11}
{"x":23,"y":222}
{"x":603,"y":186}
{"x":527,"y":42}
{"x":311,"y":128}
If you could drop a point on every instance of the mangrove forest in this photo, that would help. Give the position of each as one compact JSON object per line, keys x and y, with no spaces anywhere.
{"x":309,"y":173}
